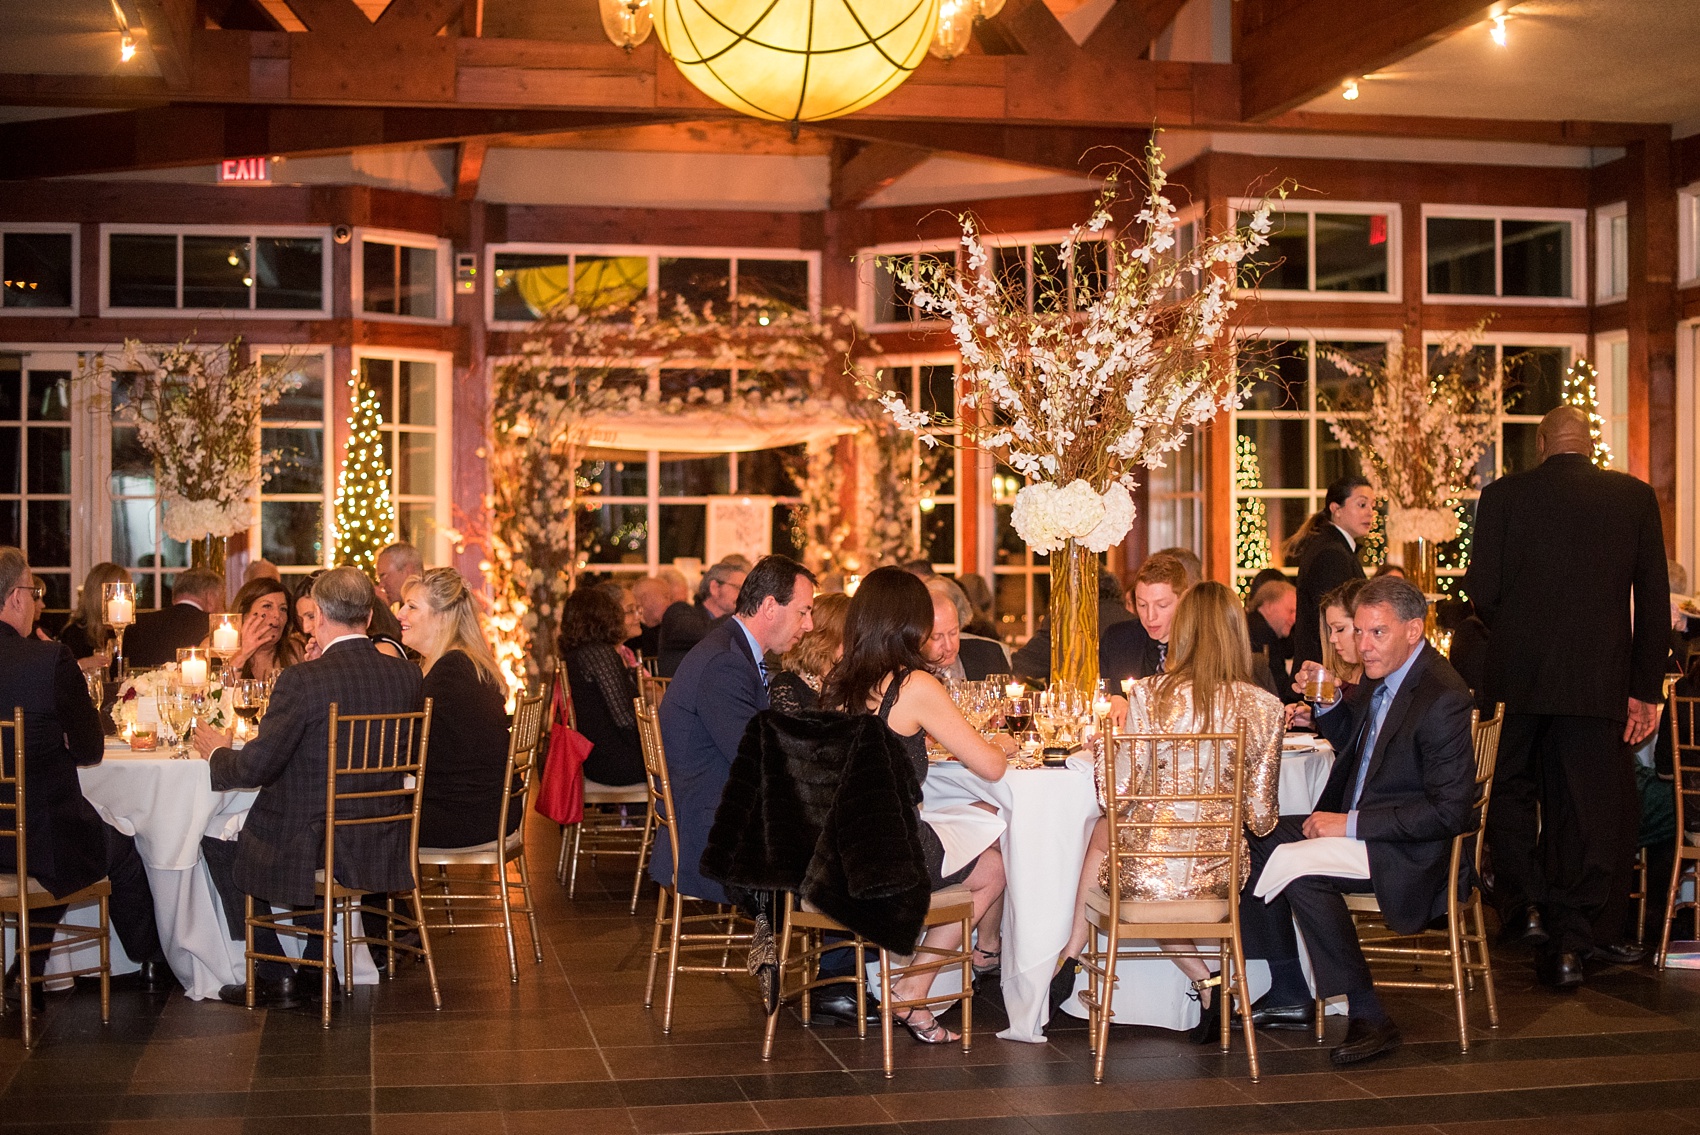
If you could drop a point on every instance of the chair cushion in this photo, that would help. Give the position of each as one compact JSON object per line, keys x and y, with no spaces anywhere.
{"x":478,"y":853}
{"x":1363,"y":904}
{"x":9,"y":886}
{"x":595,"y":793}
{"x":1170,"y":910}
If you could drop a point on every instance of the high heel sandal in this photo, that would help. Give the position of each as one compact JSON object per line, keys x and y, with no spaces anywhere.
{"x":931,"y":1033}
{"x":1209,"y":1027}
{"x":996,"y":957}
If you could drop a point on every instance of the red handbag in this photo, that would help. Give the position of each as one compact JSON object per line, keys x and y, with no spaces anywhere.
{"x":561,"y":794}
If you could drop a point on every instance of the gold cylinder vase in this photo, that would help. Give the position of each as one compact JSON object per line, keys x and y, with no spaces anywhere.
{"x":1422,"y":565}
{"x":1074,"y":617}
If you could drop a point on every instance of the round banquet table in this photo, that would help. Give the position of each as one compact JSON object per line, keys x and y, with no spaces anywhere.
{"x":1050,"y":813}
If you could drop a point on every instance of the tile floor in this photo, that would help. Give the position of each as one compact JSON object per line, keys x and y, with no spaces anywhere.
{"x":570,"y":1049}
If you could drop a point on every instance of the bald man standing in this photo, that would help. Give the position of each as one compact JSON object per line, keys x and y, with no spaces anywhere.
{"x":1568,"y":572}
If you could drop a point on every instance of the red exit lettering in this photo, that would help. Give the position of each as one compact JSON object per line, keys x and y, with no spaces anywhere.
{"x":245,"y":171}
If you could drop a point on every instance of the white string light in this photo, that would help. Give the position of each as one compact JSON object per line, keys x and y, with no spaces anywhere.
{"x":1498,"y":31}
{"x":1350,"y":94}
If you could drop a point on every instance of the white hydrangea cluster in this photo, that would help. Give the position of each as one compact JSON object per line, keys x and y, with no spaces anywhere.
{"x":1047,"y":515}
{"x":1436,"y":525}
{"x":187,"y":520}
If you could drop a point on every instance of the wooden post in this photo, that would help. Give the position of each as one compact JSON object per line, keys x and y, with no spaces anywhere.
{"x":1651,"y":316}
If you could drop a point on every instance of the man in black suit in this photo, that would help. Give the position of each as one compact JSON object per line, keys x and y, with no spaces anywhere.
{"x":67,"y":846}
{"x":157,"y":635}
{"x":1326,"y":550}
{"x":683,"y":625}
{"x":1399,"y":792}
{"x":1270,"y":618}
{"x":1139,"y":647}
{"x":653,"y":598}
{"x":282,"y":843}
{"x":950,"y":652}
{"x":1562,"y":554}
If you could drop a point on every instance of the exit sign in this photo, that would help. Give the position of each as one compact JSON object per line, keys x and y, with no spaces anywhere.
{"x":245,"y":171}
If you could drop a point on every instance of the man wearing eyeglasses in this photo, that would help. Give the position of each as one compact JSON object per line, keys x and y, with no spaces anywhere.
{"x":68,"y":847}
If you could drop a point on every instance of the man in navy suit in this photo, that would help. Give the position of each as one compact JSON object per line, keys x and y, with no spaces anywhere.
{"x":719,"y":687}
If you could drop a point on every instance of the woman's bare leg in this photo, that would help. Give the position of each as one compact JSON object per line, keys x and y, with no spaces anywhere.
{"x":1096,"y":848}
{"x":985,"y":883}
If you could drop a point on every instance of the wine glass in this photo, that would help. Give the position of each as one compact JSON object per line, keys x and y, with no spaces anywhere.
{"x":177,"y":712}
{"x":250,"y":695}
{"x":1018,"y":715}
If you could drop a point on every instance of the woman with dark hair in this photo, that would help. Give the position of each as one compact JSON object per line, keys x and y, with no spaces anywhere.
{"x":603,"y":686}
{"x":268,"y":642}
{"x":883,"y":672}
{"x":1339,"y":649}
{"x":86,"y":631}
{"x":1326,"y":550}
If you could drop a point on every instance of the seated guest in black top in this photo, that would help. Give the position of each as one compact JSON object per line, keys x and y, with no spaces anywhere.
{"x":86,"y":632}
{"x":159,"y":635}
{"x":952,"y":652}
{"x":1139,"y":648}
{"x":267,"y":620}
{"x":653,"y":597}
{"x":633,"y":616}
{"x":67,"y":847}
{"x":469,"y":718}
{"x":603,"y":686}
{"x":796,"y":688}
{"x":1270,"y":615}
{"x":685,"y":624}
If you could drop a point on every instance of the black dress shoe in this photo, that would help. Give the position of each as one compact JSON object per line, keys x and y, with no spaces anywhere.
{"x":838,"y":1007}
{"x":1062,"y":984}
{"x":1525,"y":927}
{"x":1619,"y":954}
{"x":1561,"y":970}
{"x":1365,"y":1041}
{"x":1301,"y":1016}
{"x":155,"y":976}
{"x":272,"y":993}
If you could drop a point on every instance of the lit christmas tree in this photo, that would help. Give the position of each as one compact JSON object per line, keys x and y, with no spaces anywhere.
{"x":1581,"y":391}
{"x":1251,"y":517}
{"x":365,"y":518}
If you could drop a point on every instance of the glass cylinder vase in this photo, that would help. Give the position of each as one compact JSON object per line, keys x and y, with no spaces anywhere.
{"x":1422,"y":565}
{"x":209,"y":553}
{"x":1074,"y":618}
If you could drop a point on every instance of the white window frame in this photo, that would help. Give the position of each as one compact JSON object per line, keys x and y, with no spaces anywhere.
{"x":1243,"y":206}
{"x":332,"y":463}
{"x":442,"y":475}
{"x":867,"y":271}
{"x":913,"y":362}
{"x":76,"y":232}
{"x":1606,"y":221}
{"x":443,"y":270}
{"x":1578,"y":219}
{"x":251,"y":232}
{"x":1688,"y":230}
{"x":1611,"y":386}
{"x":61,"y":356}
{"x":654,"y":253}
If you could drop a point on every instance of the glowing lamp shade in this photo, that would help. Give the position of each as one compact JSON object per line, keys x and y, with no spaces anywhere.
{"x":796,"y":60}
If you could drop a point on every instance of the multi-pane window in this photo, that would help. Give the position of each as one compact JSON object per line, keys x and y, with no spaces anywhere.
{"x":208,"y":269}
{"x":407,"y":391}
{"x":1175,"y":499}
{"x":399,"y":276}
{"x":931,"y":387}
{"x":1522,"y":255}
{"x":885,"y":301}
{"x":293,"y":532}
{"x":1030,"y":269}
{"x":139,"y":542}
{"x":1336,"y":249}
{"x":530,"y":280}
{"x":35,"y":470}
{"x":1611,"y":252}
{"x":1021,"y":581}
{"x":37,"y":270}
{"x":1688,"y":233}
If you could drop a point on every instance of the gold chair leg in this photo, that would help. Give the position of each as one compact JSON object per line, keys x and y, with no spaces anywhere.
{"x":655,"y":946}
{"x":1641,"y":898}
{"x":1455,"y":954}
{"x":507,"y":921}
{"x":578,"y":838}
{"x":425,"y":945}
{"x":561,"y":860}
{"x":1245,"y":1008}
{"x":967,"y":983}
{"x":1678,"y":869}
{"x":1106,"y":992}
{"x":23,"y":953}
{"x":1486,"y":962}
{"x":861,"y":988}
{"x":673,"y":960}
{"x":885,"y":1008}
{"x":105,"y":961}
{"x":644,"y":850}
{"x":354,"y":907}
{"x":772,"y":1023}
{"x":328,"y":954}
{"x":248,"y":941}
{"x":530,"y":907}
{"x":389,"y":935}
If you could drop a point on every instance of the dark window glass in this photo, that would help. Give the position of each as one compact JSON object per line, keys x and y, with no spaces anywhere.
{"x":938,"y":533}
{"x":1050,"y":279}
{"x":37,"y":270}
{"x":1284,"y":263}
{"x":1519,"y":447}
{"x":1009,"y":269}
{"x":1283,"y":386}
{"x":297,"y":460}
{"x":1534,"y":378}
{"x":378,"y":276}
{"x":624,"y":476}
{"x":938,"y":390}
{"x":292,"y":532}
{"x":49,"y":460}
{"x":289,"y":273}
{"x":1351,"y":252}
{"x":58,"y":588}
{"x":216,"y":271}
{"x":684,"y":532}
{"x":782,"y":283}
{"x":50,"y":395}
{"x":618,"y":534}
{"x":11,"y":388}
{"x":9,"y":533}
{"x":418,"y":392}
{"x":942,"y":461}
{"x":767,"y":472}
{"x":141,"y":270}
{"x":305,"y":400}
{"x":1536,"y":258}
{"x":1092,"y":267}
{"x":695,"y":280}
{"x":414,"y":455}
{"x":1334,"y":460}
{"x":132,"y":467}
{"x":528,"y":284}
{"x":1333,"y":382}
{"x":1460,"y":256}
{"x":11,"y":474}
{"x":379,"y":374}
{"x":416,"y":524}
{"x":399,"y":280}
{"x":1283,"y":458}
{"x":785,"y":534}
{"x":49,"y":535}
{"x":891,"y":298}
{"x":694,"y":477}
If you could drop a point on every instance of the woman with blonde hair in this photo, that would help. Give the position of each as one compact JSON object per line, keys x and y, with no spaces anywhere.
{"x":1339,"y":649}
{"x":803,"y":669}
{"x":1207,"y":687}
{"x":86,"y":632}
{"x":468,"y":756}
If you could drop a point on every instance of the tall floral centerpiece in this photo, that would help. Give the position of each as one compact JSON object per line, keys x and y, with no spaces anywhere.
{"x":1419,"y":424}
{"x":196,"y":412}
{"x":1121,"y":349}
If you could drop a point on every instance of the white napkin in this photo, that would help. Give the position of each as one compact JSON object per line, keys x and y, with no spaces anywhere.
{"x":964,"y":830}
{"x":1334,"y":855}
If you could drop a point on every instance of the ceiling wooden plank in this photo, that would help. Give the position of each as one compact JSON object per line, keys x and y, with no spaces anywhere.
{"x":858,"y":176}
{"x":169,"y":24}
{"x":1563,"y":133}
{"x":469,"y":168}
{"x":1291,"y":52}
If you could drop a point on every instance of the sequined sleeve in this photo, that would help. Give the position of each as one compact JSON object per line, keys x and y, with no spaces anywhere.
{"x":1264,"y":723}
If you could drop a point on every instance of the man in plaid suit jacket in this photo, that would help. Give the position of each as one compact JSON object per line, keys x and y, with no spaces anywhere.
{"x":282,"y":842}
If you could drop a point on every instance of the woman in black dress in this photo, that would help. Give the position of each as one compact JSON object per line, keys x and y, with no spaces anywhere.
{"x":796,"y":688}
{"x":592,"y":629}
{"x":468,"y":755}
{"x":883,"y":672}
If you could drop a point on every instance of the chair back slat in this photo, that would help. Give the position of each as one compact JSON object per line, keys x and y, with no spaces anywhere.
{"x":650,"y":688}
{"x":1685,"y":758}
{"x":12,"y":793}
{"x":1484,"y":738}
{"x":525,"y":738}
{"x":565,"y":685}
{"x":375,"y":774}
{"x":655,"y":773}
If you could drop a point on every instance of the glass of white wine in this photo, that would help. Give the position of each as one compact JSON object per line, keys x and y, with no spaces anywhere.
{"x":177,"y":712}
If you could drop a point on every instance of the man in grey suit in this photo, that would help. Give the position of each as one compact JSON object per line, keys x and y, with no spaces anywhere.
{"x":282,"y":842}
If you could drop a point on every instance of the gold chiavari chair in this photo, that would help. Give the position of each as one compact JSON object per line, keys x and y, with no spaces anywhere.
{"x":608,"y":827}
{"x":722,"y":927}
{"x":1462,"y":947}
{"x":374,"y":777}
{"x":1179,"y":809}
{"x":20,"y":894}
{"x":1685,"y":765}
{"x":495,"y":894}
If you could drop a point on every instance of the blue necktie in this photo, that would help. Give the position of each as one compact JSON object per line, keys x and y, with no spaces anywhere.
{"x":1376,"y":702}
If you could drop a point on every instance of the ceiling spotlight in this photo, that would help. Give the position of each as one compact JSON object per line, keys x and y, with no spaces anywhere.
{"x":126,"y":48}
{"x":1350,"y":94}
{"x":1498,"y":32}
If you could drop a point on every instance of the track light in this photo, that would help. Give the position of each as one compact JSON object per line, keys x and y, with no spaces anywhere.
{"x":1350,"y":94}
{"x":1498,"y":31}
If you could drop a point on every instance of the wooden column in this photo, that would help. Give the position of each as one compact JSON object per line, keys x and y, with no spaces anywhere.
{"x":470,"y":478}
{"x":1651,"y":315}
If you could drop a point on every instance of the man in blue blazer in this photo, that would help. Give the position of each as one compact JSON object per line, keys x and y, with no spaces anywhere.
{"x":719,"y":687}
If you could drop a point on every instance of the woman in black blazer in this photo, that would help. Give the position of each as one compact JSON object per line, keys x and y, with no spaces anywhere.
{"x":592,"y":629}
{"x":468,"y":756}
{"x":1326,"y":550}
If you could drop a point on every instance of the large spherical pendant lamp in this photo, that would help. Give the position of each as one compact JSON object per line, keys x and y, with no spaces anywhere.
{"x":796,"y":60}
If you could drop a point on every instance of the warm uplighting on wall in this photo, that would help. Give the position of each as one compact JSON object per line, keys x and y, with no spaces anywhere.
{"x":1350,"y":93}
{"x":1498,"y":30}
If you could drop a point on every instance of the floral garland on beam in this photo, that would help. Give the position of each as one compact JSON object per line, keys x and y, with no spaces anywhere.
{"x":1095,"y":377}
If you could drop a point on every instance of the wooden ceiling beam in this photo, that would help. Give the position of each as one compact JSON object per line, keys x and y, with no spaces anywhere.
{"x":1558,"y":133}
{"x":1293,"y":52}
{"x":169,"y":24}
{"x":859,"y":173}
{"x":469,"y":167}
{"x":1076,"y":150}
